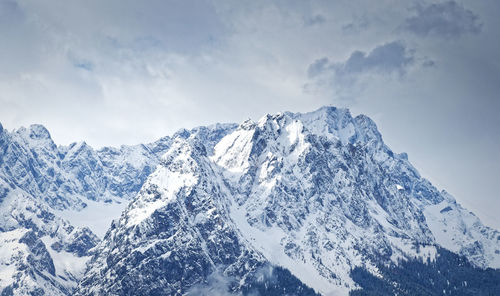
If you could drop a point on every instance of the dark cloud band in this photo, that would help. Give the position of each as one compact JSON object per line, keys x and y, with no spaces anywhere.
{"x":448,"y":19}
{"x":384,"y":59}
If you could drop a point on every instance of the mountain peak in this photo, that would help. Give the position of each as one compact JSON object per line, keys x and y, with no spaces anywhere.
{"x":247,"y":124}
{"x":38,"y":131}
{"x":37,"y":135}
{"x":35,"y":132}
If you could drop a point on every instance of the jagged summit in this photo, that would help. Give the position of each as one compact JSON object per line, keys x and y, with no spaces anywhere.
{"x":39,"y":131}
{"x":35,"y":132}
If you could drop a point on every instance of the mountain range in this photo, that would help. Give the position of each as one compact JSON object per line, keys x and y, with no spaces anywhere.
{"x":292,"y":204}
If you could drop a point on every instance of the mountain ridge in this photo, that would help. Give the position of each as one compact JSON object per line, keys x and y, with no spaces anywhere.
{"x":274,"y":186}
{"x":305,"y":197}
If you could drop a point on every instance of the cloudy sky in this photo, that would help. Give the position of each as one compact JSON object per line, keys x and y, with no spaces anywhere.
{"x":123,"y":72}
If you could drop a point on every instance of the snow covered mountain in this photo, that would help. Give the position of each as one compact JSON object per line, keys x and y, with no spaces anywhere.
{"x":293,"y":201}
{"x":294,"y":204}
{"x":50,"y":194}
{"x":41,"y":254}
{"x":68,"y":176}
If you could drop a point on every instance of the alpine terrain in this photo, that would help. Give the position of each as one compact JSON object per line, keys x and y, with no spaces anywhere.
{"x":293,"y":204}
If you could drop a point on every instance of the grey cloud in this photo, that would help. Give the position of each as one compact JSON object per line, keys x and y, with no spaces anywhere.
{"x":318,"y":19}
{"x":357,"y":25}
{"x":384,"y":59}
{"x":9,"y":11}
{"x":447,"y":19}
{"x":428,"y":63}
{"x":318,"y":67}
{"x":80,"y":63}
{"x":347,"y":80}
{"x":182,"y":27}
{"x":85,"y":65}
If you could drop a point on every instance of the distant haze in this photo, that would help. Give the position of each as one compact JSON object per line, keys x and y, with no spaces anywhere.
{"x":124,"y":72}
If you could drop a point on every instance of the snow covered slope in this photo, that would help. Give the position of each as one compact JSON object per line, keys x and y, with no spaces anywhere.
{"x":40,"y":254}
{"x":316,"y":194}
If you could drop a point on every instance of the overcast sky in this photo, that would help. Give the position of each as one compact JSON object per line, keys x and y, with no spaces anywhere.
{"x":124,"y":72}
